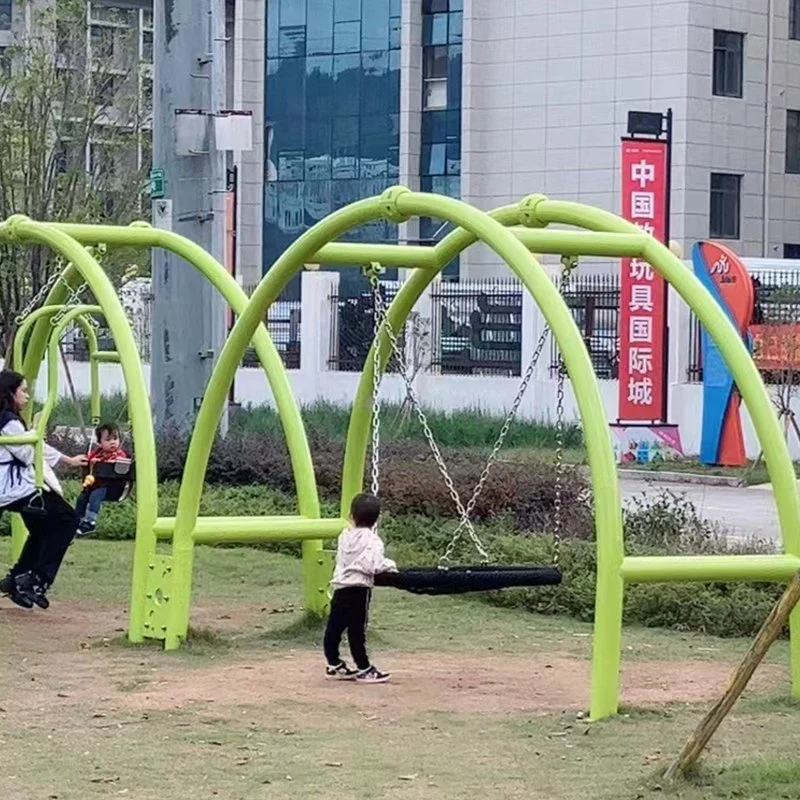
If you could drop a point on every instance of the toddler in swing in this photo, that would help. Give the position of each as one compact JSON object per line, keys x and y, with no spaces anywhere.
{"x":359,"y":557}
{"x":106,"y":450}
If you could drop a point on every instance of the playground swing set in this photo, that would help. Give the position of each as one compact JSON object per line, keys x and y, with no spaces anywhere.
{"x":161,"y":583}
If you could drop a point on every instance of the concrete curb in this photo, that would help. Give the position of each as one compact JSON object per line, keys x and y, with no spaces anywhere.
{"x":694,"y":478}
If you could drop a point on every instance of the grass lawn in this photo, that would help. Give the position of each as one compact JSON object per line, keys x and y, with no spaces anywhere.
{"x":485,"y":702}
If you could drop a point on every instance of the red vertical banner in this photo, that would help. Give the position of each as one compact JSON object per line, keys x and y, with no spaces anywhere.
{"x":642,"y":319}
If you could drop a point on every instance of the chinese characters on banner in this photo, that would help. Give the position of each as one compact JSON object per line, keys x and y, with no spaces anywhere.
{"x":642,"y":322}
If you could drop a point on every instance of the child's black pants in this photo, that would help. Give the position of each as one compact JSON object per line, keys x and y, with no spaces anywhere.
{"x":349,"y":612}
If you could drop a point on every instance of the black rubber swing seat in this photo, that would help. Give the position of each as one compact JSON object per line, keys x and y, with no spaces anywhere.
{"x":460,"y":580}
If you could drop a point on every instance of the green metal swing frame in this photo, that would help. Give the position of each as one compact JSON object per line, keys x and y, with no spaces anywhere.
{"x":161,"y":584}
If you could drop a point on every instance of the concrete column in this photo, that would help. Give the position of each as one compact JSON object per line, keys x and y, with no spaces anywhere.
{"x":317,"y":319}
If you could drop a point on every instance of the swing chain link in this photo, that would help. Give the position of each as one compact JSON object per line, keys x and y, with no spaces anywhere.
{"x":465,"y":523}
{"x":44,"y":290}
{"x":569,"y":264}
{"x":373,"y":274}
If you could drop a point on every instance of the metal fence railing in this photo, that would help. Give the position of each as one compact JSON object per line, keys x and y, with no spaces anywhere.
{"x":284,"y":323}
{"x":353,"y":329}
{"x":775,"y":328}
{"x":476,"y":328}
{"x":594,"y":302}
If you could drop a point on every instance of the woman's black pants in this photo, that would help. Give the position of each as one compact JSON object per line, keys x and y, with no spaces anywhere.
{"x":51,"y":522}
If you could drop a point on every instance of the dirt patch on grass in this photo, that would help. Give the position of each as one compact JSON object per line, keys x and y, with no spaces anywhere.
{"x":488,"y":684}
{"x":59,"y":658}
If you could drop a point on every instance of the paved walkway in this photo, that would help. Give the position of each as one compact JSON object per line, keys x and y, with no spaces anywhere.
{"x":743,"y":511}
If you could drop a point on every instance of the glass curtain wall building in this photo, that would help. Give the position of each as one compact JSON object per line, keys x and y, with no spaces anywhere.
{"x":332,"y":116}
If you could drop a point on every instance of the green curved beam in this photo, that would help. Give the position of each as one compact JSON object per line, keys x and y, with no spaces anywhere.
{"x":91,"y":340}
{"x":476,"y":225}
{"x":140,"y":234}
{"x":21,"y":229}
{"x":290,"y":261}
{"x":742,"y":367}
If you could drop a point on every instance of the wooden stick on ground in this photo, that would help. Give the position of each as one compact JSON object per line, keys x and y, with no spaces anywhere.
{"x":770,"y":631}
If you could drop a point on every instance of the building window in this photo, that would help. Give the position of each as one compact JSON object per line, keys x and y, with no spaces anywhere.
{"x":440,"y":161}
{"x":434,"y":78}
{"x":332,"y":108}
{"x":728,"y":63}
{"x":791,"y":251}
{"x":5,"y":15}
{"x":793,"y":142}
{"x":725,"y":205}
{"x":794,"y":19}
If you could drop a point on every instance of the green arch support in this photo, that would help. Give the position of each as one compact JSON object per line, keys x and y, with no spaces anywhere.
{"x":613,"y":237}
{"x":514,"y":233}
{"x":21,"y":230}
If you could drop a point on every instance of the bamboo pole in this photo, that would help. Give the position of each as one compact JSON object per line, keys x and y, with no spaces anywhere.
{"x":770,"y":630}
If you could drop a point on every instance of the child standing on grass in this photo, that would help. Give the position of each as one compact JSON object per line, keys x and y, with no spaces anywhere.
{"x":107,"y":450}
{"x":359,"y":557}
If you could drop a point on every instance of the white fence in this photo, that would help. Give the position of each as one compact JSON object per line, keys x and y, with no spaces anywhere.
{"x":315,"y":380}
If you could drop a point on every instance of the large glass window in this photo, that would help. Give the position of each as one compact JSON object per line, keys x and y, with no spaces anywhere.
{"x":440,"y":158}
{"x":332,"y":99}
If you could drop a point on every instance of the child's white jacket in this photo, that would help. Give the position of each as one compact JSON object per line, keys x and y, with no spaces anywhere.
{"x":359,"y":557}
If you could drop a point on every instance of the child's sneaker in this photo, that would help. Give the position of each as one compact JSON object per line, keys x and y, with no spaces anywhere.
{"x":341,"y":672}
{"x":372,"y":675}
{"x":86,"y":528}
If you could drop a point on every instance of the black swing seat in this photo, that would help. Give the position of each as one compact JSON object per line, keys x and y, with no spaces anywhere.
{"x":460,"y":580}
{"x":117,"y":476}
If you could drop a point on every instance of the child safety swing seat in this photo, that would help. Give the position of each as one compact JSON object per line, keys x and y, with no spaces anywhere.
{"x":116,"y":476}
{"x":445,"y":578}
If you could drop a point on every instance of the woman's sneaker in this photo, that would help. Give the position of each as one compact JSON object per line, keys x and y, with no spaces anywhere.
{"x":8,"y":587}
{"x":32,"y":588}
{"x":85,"y":528}
{"x":341,"y":672}
{"x":372,"y":675}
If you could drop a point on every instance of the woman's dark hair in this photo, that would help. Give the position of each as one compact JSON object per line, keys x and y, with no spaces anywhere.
{"x":10,"y":381}
{"x":365,"y":510}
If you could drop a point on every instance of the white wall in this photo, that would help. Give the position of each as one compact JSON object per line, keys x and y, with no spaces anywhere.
{"x":315,"y":381}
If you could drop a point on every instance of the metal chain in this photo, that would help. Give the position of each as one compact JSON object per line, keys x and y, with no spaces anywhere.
{"x":569,"y":265}
{"x":498,"y":445}
{"x":73,"y":299}
{"x":465,"y":522}
{"x":465,"y":512}
{"x":377,"y":302}
{"x":44,"y":290}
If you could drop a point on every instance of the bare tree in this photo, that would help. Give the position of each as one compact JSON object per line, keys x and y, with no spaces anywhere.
{"x":74,"y":134}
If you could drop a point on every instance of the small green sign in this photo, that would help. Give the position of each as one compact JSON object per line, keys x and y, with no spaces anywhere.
{"x":157,"y":181}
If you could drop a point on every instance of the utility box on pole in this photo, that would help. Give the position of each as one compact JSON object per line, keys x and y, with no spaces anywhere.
{"x":189,"y":174}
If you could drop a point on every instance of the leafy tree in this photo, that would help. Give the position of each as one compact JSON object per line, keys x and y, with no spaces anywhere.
{"x":74,"y":134}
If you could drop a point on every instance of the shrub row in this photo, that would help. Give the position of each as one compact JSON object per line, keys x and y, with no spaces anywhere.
{"x":410,"y":479}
